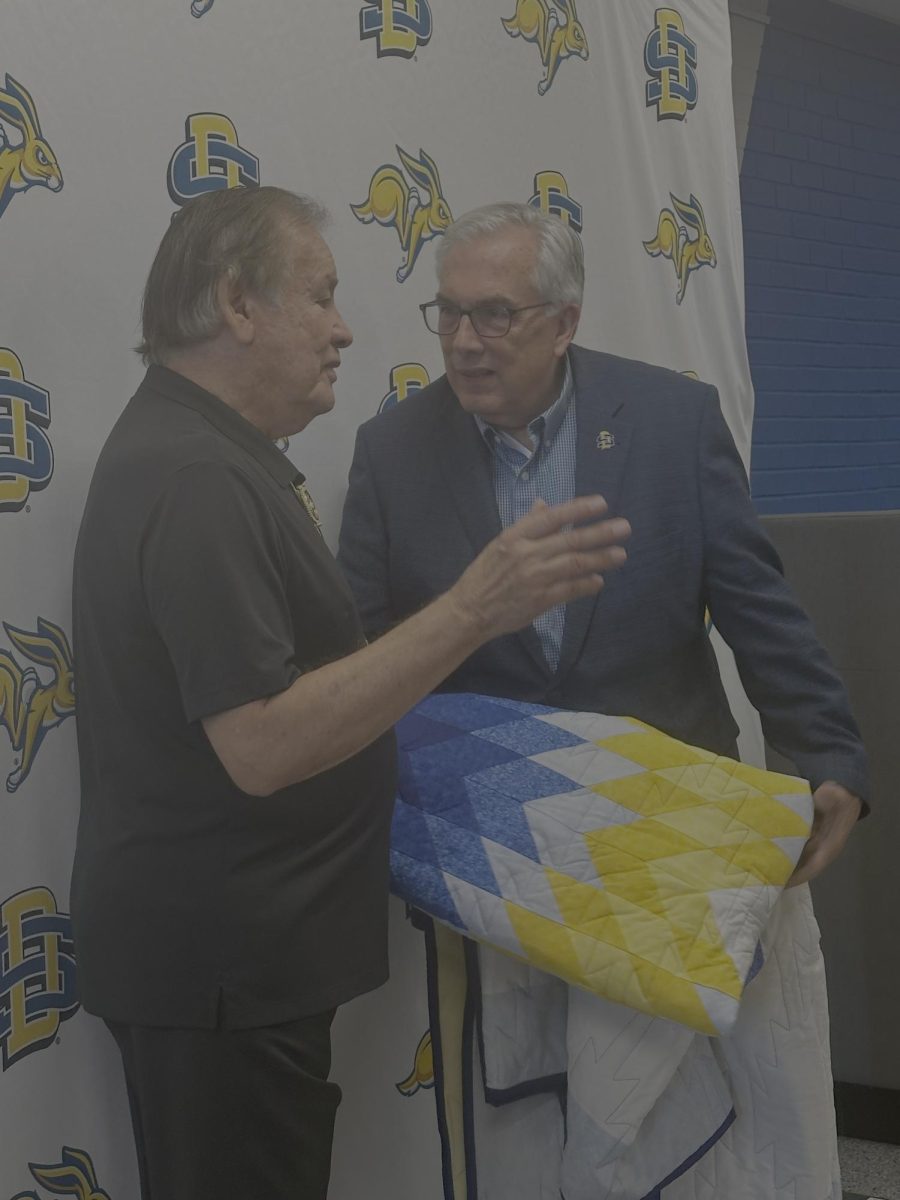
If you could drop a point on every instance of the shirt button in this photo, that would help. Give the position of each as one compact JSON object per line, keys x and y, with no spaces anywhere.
{"x":525,"y":473}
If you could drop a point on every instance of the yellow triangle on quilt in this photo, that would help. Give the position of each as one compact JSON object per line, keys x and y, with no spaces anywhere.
{"x":582,"y":959}
{"x":653,"y":750}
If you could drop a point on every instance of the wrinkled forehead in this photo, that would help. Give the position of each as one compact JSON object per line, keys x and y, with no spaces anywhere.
{"x":307,"y":256}
{"x":304,"y":243}
{"x":497,"y":266}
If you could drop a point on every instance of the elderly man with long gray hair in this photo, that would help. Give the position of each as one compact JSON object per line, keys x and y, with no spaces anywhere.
{"x":237,"y":765}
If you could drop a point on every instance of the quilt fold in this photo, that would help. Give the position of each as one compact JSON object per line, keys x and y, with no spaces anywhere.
{"x":596,"y":849}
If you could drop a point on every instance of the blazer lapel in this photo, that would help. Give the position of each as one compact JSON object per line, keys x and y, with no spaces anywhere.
{"x":465,"y":461}
{"x":601,"y":453}
{"x":466,"y":464}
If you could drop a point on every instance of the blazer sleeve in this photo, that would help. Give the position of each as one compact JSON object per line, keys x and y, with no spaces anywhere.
{"x":785,"y":670}
{"x":363,"y":543}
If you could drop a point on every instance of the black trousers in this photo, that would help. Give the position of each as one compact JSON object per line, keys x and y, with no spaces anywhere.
{"x":231,"y":1112}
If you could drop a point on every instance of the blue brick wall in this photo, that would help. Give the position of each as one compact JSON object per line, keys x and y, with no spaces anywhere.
{"x":820,"y":193}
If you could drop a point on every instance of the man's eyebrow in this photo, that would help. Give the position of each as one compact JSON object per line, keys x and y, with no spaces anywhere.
{"x":498,"y":298}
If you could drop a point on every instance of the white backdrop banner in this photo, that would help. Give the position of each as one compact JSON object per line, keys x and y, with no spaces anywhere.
{"x":615,"y":115}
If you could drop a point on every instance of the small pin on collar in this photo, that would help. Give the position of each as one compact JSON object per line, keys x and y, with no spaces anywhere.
{"x":301,"y":491}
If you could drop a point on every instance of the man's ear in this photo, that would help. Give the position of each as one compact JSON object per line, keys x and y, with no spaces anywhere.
{"x":566,"y":323}
{"x":237,"y":309}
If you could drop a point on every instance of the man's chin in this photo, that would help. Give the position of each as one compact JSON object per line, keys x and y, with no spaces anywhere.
{"x":322,"y":399}
{"x":317,"y":403}
{"x":474,"y":395}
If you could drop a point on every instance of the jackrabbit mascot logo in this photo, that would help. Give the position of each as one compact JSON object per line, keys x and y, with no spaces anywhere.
{"x":417,"y":218}
{"x":551,"y":196}
{"x":406,"y":379}
{"x":670,"y":58}
{"x":688,"y":245}
{"x":554,"y":27}
{"x":399,"y":27}
{"x":422,"y":1074}
{"x":31,"y":162}
{"x":26,"y":456}
{"x":210,"y":159}
{"x":37,"y":973}
{"x":73,"y":1175}
{"x":29,"y":705}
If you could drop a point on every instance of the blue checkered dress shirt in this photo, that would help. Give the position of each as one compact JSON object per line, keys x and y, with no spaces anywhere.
{"x":546,"y":472}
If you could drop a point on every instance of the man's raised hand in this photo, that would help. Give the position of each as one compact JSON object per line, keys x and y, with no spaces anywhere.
{"x":551,"y":556}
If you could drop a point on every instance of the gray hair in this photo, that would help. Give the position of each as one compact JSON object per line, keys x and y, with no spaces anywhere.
{"x":235,"y":232}
{"x":559,"y":269}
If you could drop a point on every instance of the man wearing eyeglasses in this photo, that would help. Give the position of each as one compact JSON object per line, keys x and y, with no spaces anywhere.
{"x":523,"y":413}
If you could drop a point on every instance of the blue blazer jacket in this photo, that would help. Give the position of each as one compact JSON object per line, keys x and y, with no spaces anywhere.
{"x":421,"y":506}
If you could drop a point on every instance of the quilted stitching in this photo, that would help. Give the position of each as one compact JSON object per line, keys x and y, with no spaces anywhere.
{"x":595,"y":848}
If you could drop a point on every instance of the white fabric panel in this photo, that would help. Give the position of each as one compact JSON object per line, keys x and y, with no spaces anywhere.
{"x":113,"y":84}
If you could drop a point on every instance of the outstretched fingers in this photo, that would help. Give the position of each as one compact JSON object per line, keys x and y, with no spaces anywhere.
{"x":556,"y":555}
{"x":551,"y":556}
{"x":562,"y":547}
{"x":543,"y":519}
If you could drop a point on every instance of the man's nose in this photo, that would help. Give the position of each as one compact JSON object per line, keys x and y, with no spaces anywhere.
{"x":341,"y":335}
{"x":466,"y":336}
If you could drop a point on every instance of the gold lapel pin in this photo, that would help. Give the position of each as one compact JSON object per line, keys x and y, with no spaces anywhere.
{"x":302,"y":492}
{"x":605,"y":440}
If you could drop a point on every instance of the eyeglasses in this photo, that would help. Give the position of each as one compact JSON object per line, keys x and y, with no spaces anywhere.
{"x":488,"y":320}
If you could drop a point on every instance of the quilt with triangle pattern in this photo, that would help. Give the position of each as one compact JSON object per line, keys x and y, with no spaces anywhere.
{"x":595,"y":848}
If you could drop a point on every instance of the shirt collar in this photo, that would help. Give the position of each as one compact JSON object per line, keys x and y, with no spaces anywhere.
{"x":546,"y":425}
{"x":229,"y":422}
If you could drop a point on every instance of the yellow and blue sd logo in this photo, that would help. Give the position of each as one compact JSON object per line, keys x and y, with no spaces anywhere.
{"x":210,"y":159}
{"x":551,"y":195}
{"x":670,"y":58}
{"x":393,"y":202}
{"x":73,"y":1175}
{"x":688,"y":245}
{"x":37,"y":973}
{"x":399,"y":27}
{"x":406,"y":378}
{"x":30,"y":706}
{"x":26,"y":456}
{"x":554,"y":27}
{"x":31,"y":162}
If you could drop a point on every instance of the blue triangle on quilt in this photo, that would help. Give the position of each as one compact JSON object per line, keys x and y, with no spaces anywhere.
{"x":436,"y":767}
{"x":416,"y":730}
{"x":530,"y":736}
{"x":501,"y":818}
{"x":528,"y":780}
{"x":461,"y":852}
{"x":416,"y":872}
{"x":480,"y":712}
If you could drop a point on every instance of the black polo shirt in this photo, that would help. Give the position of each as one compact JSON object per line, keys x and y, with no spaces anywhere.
{"x":201,"y":583}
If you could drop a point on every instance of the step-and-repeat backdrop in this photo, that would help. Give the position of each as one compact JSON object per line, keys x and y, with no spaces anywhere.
{"x":614,"y":115}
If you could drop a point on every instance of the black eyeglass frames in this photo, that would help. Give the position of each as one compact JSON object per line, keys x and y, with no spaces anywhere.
{"x":488,"y":320}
